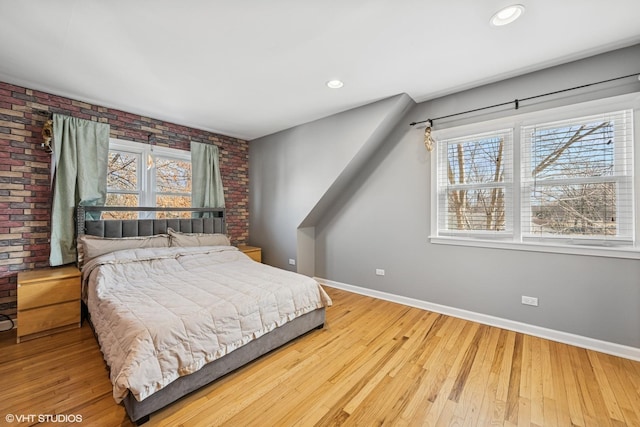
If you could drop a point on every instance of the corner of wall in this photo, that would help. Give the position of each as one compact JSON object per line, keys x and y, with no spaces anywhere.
{"x":306,"y":229}
{"x":296,"y":175}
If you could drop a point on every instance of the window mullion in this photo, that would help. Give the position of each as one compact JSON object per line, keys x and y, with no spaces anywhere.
{"x":516,"y":183}
{"x":478,"y":185}
{"x":148,"y":173}
{"x":574,"y":181}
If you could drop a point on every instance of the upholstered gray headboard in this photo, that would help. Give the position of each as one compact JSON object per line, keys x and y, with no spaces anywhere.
{"x":212,"y":220}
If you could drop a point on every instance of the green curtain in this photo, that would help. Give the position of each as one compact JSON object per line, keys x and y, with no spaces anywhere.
{"x":81,"y":152}
{"x":206,"y":181}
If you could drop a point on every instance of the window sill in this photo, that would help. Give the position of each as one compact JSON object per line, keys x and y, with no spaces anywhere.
{"x":626,"y":252}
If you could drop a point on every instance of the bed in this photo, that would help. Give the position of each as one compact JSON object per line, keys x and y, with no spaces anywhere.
{"x":175,"y":307}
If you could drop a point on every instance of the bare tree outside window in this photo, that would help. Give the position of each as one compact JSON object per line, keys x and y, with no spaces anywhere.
{"x":173,"y":186}
{"x":476,"y":183}
{"x":170,"y":177}
{"x":122,"y":183}
{"x":573,"y":190}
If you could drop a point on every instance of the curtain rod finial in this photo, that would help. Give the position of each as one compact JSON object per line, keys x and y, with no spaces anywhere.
{"x":428,"y":139}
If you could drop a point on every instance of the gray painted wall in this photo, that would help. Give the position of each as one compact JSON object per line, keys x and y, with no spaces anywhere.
{"x":296,"y":174}
{"x":381,"y":218}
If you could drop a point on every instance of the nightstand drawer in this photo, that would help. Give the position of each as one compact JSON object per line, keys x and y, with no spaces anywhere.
{"x":48,"y":301}
{"x":50,"y":292}
{"x":50,"y":317}
{"x":254,"y":252}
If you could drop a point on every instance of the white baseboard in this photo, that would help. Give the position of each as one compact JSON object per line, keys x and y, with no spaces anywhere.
{"x":614,"y":349}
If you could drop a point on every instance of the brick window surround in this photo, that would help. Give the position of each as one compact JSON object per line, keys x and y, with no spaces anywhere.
{"x":25,"y":195}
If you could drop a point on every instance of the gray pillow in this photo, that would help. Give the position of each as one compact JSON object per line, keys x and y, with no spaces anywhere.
{"x":196,"y":239}
{"x":90,"y":247}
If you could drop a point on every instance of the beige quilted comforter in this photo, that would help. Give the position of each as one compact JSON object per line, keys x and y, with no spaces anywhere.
{"x":163,"y":313}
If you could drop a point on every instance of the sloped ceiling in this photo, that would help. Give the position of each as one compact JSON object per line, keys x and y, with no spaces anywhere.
{"x":251,"y":68}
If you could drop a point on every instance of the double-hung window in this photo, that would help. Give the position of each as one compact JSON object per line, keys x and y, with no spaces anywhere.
{"x":577,"y":179}
{"x":475,"y":185}
{"x":559,"y":180}
{"x":145,"y":175}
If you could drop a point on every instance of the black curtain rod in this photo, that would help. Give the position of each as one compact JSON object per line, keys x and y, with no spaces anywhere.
{"x":516,"y":102}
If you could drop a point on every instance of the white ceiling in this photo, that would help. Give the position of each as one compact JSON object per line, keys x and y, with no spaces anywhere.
{"x":249,"y":68}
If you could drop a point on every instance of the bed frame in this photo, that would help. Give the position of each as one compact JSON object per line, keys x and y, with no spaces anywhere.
{"x":209,"y":220}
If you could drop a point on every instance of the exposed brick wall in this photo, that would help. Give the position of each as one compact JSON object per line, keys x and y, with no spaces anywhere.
{"x":25,"y":196}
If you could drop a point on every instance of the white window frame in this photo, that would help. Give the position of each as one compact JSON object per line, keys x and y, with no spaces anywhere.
{"x":515,"y":122}
{"x":147,"y":176}
{"x":507,"y":185}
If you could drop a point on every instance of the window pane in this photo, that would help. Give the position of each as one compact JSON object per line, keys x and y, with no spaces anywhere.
{"x":476,"y":161}
{"x":122,"y":173}
{"x":580,"y":150}
{"x":477,"y":209}
{"x":114,"y":199}
{"x":475,"y":175}
{"x":167,"y":201}
{"x":121,"y":200}
{"x":576,"y":178}
{"x":173,"y":176}
{"x":579,"y":210}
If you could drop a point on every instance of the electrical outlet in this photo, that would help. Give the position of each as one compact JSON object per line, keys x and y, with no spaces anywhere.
{"x":292,"y":261}
{"x":379,"y":272}
{"x":530,"y":301}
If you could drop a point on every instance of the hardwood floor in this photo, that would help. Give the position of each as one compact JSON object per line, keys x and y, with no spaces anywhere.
{"x":375,"y":363}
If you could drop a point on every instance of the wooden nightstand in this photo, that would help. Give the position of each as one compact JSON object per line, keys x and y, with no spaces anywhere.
{"x":253,"y":251}
{"x":48,"y":301}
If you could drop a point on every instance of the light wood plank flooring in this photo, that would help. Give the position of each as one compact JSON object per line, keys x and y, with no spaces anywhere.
{"x":375,"y":363}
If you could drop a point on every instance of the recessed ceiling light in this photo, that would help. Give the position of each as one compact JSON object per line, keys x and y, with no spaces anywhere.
{"x":334,"y":84}
{"x":507,"y":15}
